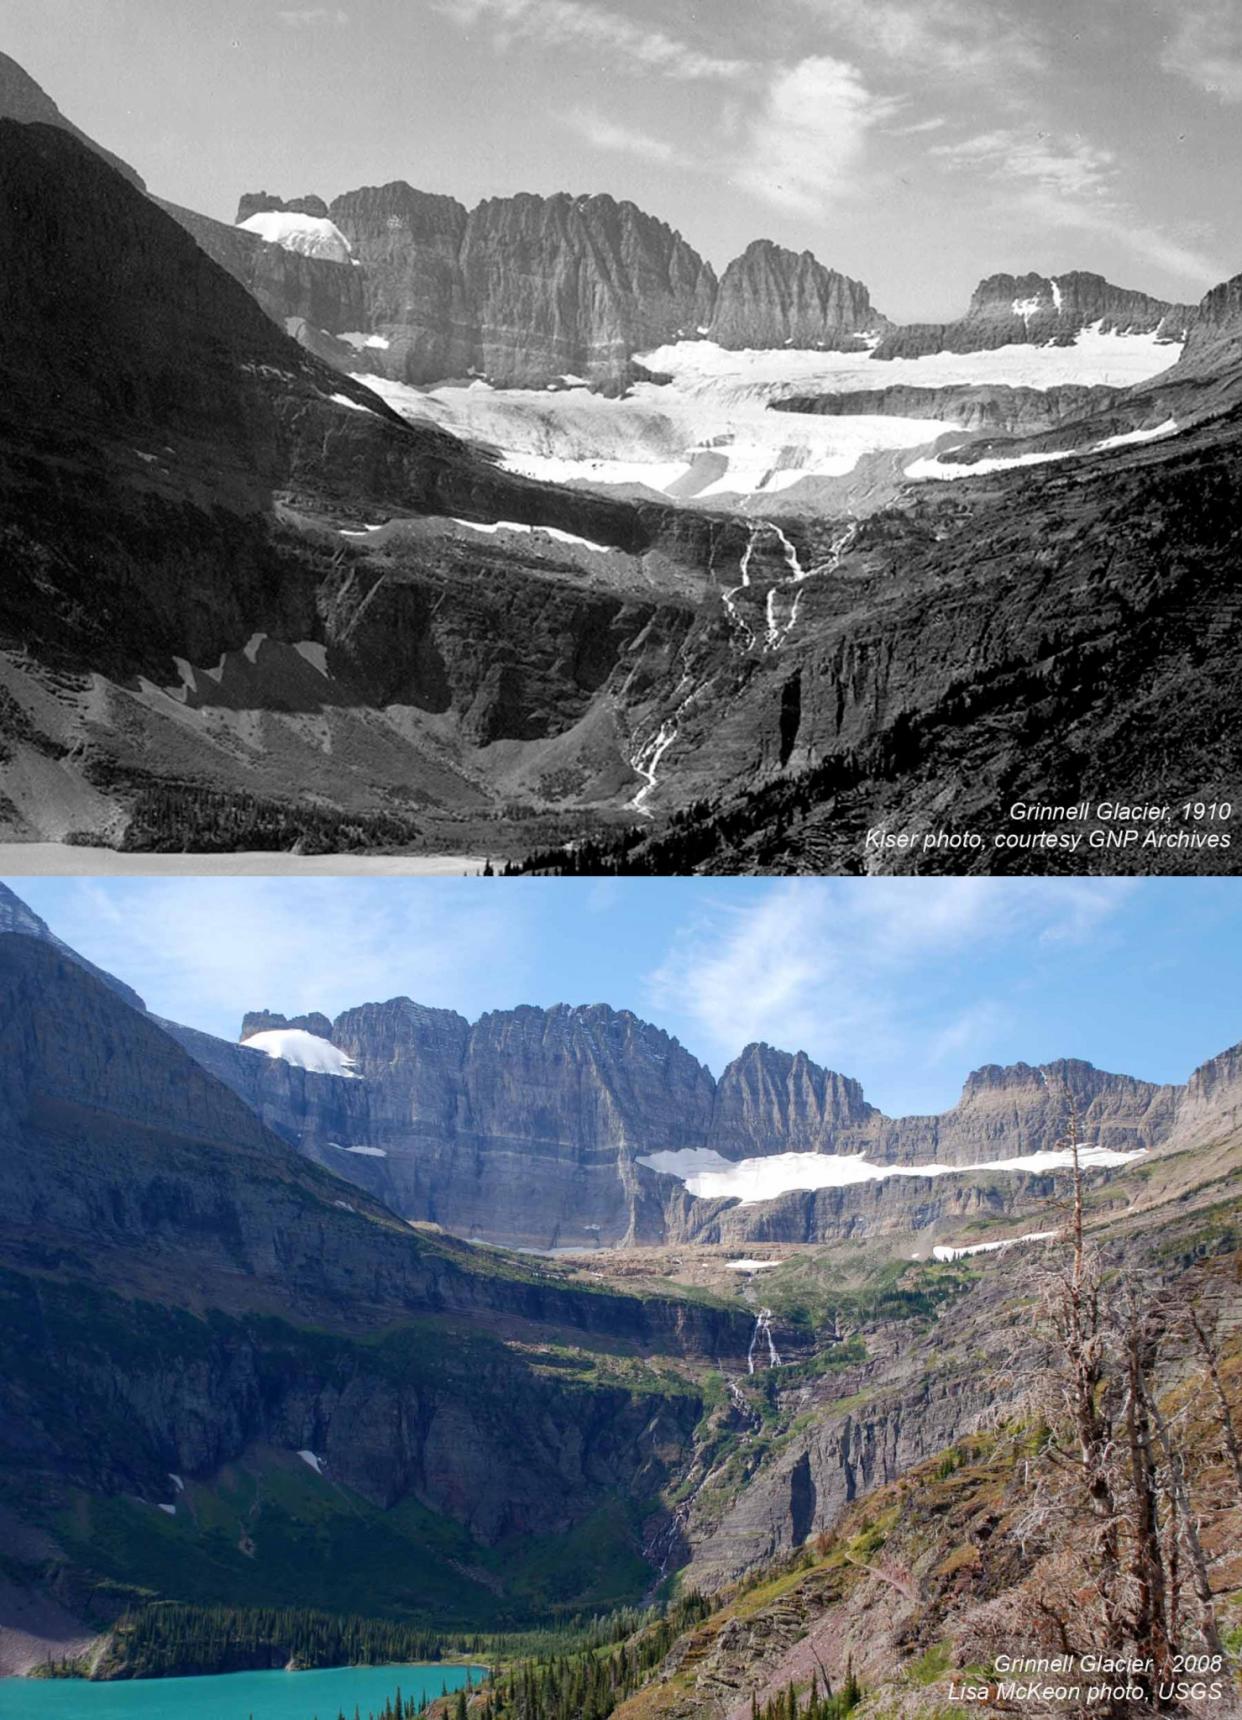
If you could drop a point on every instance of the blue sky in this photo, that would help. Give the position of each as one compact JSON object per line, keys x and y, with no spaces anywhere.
{"x":917,"y":144}
{"x":906,"y":984}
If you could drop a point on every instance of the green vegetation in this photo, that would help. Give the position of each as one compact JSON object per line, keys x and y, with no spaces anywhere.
{"x":168,"y":1639}
{"x":265,"y":1531}
{"x":820,"y":1704}
{"x":811,"y":1292}
{"x":931,"y":1666}
{"x":588,"y":1685}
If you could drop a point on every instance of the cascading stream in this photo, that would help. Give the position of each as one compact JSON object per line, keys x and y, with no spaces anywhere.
{"x":763,"y":1328}
{"x":776,"y":630}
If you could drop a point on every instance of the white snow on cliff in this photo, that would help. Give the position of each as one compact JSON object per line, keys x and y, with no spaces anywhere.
{"x":548,"y":531}
{"x":310,"y":235}
{"x":710,"y":433}
{"x":304,"y":1050}
{"x":711,"y":1176}
{"x":943,"y":1251}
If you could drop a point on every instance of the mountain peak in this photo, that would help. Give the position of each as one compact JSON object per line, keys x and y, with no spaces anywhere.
{"x":22,"y":99}
{"x":19,"y":919}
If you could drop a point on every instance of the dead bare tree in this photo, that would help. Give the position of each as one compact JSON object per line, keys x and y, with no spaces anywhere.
{"x":1224,"y":1413}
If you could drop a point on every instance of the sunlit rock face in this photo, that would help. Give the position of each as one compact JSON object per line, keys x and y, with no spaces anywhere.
{"x":563,"y":1127}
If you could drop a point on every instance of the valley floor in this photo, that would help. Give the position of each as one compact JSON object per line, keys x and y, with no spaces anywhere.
{"x":63,"y":860}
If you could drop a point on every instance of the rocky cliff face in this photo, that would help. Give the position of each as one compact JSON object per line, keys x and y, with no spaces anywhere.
{"x":182,"y":1291}
{"x":189,"y":436}
{"x":521,"y":289}
{"x":989,"y":408}
{"x":772,"y":297}
{"x":526,"y":289}
{"x":1034,"y":309}
{"x":262,"y":202}
{"x":305,"y":296}
{"x":525,"y":1128}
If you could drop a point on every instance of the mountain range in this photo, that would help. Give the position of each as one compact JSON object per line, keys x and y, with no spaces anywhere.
{"x":319,"y":618}
{"x":586,"y":1127}
{"x":232,"y":1379}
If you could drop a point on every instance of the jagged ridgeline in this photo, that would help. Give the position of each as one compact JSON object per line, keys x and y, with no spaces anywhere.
{"x":251,"y":1414}
{"x":353,"y":590}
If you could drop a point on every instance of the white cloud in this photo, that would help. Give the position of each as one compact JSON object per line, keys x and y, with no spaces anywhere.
{"x":204,"y":950}
{"x":312,"y":15}
{"x":1067,"y":169}
{"x":806,"y":145}
{"x":581,"y":24}
{"x":874,"y":972}
{"x":929,"y":37}
{"x":1073,"y":184}
{"x":606,"y":134}
{"x":918,"y":128}
{"x":1205,"y":45}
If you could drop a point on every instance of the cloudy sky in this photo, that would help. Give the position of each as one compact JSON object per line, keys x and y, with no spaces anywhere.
{"x":906,"y":984}
{"x":916,"y":144}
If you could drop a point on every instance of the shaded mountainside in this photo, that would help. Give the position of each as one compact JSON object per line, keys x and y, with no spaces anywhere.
{"x":21,"y":98}
{"x":187,"y":1297}
{"x":214,"y":467}
{"x":1014,"y":640}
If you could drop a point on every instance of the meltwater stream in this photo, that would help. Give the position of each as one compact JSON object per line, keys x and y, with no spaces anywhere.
{"x":763,"y":1329}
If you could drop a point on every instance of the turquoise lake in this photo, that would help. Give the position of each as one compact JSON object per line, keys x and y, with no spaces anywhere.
{"x":230,"y":1696}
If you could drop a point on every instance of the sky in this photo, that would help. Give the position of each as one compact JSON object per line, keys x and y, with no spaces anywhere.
{"x":918,"y":145}
{"x":907,"y":984}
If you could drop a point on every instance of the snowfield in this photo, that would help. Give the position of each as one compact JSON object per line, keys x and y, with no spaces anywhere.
{"x":709,"y":432}
{"x":311,"y":235}
{"x":712,"y":1177}
{"x":304,"y":1050}
{"x":546,"y":531}
{"x":943,"y":1252}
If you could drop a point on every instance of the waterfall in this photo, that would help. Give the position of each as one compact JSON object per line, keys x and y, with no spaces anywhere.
{"x":763,"y":1327}
{"x":647,"y":763}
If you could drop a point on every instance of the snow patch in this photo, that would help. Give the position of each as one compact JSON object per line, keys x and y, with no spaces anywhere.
{"x":1168,"y":428}
{"x":313,"y":653}
{"x":709,"y":1175}
{"x":360,"y":342}
{"x":944,"y":1252}
{"x":366,"y":1152}
{"x":930,"y":467}
{"x":309,"y":235}
{"x":1056,"y":293}
{"x":752,"y":1265}
{"x":546,"y":531}
{"x":169,"y":1510}
{"x":313,"y":1462}
{"x":344,"y":400}
{"x":305,"y":1051}
{"x":177,"y":1482}
{"x":709,"y":433}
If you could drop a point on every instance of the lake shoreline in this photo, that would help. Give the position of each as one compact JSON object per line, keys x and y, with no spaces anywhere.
{"x":309,"y":1693}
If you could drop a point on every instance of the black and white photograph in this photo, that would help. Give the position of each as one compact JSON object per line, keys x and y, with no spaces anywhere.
{"x":587,"y":436}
